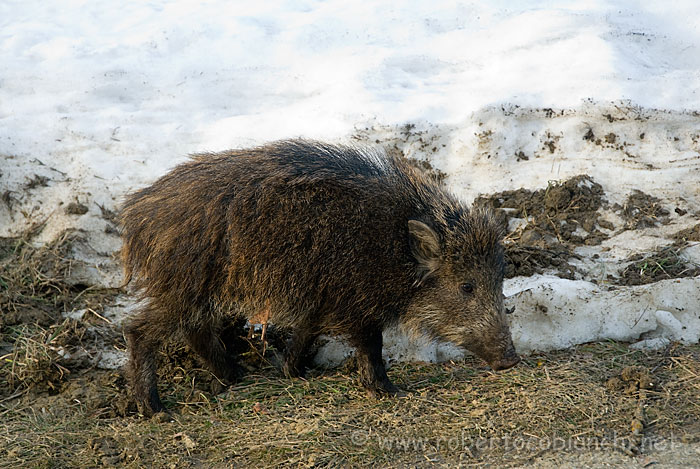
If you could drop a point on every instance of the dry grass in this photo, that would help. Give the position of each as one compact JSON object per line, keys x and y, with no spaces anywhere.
{"x":454,"y":413}
{"x":36,"y":288}
{"x":35,"y":278}
{"x":34,"y":360}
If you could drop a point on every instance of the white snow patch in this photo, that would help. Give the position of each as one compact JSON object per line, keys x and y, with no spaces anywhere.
{"x":112,"y":359}
{"x":398,"y":347}
{"x":553,"y":313}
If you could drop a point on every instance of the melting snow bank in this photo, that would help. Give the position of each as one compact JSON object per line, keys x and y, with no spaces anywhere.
{"x":553,"y":313}
{"x":620,"y":146}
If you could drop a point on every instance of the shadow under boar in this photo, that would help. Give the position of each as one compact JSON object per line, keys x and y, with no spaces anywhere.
{"x":322,"y":239}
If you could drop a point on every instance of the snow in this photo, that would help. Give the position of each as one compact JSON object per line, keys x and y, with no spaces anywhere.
{"x":103,"y":97}
{"x":570,"y":312}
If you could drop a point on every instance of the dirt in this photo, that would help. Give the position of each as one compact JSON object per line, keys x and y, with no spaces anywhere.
{"x":111,"y":218}
{"x":76,"y":208}
{"x":661,"y":264}
{"x":530,"y":260}
{"x":453,"y":414}
{"x":557,"y":213}
{"x":630,"y":380}
{"x":642,"y":210}
{"x":612,"y":141}
{"x":180,"y":364}
{"x":426,"y":167}
{"x":555,"y":220}
{"x":688,"y":234}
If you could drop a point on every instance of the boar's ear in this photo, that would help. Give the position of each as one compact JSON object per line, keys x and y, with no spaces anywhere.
{"x":425,"y":247}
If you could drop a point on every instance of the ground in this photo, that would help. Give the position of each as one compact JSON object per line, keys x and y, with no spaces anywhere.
{"x":593,"y":405}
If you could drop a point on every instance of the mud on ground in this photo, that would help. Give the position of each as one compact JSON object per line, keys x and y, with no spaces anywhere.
{"x":544,"y":226}
{"x":642,"y":210}
{"x":688,"y":234}
{"x":664,"y":263}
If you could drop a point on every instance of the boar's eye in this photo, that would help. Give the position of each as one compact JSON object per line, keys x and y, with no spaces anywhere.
{"x":467,"y":288}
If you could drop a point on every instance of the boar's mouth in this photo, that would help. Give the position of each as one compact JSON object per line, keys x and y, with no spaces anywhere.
{"x":500,"y":354}
{"x":508,"y":361}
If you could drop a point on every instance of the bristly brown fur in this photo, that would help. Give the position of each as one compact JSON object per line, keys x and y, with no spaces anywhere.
{"x":316,"y":233}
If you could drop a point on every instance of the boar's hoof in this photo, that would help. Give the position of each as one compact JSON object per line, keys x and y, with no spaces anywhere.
{"x":162,"y":417}
{"x":379,"y":390}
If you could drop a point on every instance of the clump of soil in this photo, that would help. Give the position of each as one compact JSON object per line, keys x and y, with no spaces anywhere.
{"x":557,"y":219}
{"x":530,"y":260}
{"x":630,"y":380}
{"x":76,"y":208}
{"x":642,"y":210}
{"x":662,"y":264}
{"x":689,"y":234}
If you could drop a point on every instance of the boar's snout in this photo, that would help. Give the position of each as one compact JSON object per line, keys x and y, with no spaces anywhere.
{"x":509,"y":360}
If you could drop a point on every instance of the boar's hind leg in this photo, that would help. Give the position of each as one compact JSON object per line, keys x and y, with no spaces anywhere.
{"x":143,"y":334}
{"x":368,"y":343}
{"x":297,"y":352}
{"x":206,"y":343}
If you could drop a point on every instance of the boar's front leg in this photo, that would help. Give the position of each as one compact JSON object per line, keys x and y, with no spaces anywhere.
{"x":368,"y":344}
